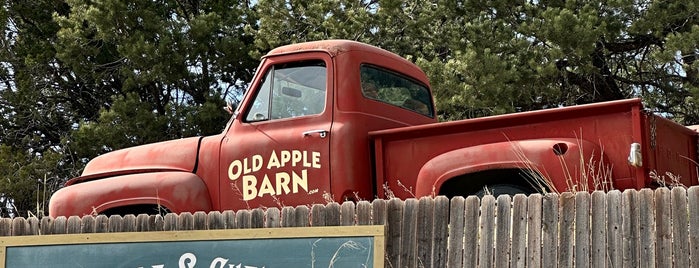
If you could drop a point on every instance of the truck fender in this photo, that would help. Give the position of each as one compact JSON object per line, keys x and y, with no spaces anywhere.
{"x":177,"y":191}
{"x":521,"y":154}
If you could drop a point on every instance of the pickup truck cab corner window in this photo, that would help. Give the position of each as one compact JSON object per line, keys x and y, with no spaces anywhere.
{"x":395,"y":89}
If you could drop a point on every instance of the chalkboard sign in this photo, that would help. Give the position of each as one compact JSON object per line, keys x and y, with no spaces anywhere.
{"x":320,"y":247}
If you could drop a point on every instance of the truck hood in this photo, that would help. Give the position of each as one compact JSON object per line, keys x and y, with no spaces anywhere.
{"x":174,"y":155}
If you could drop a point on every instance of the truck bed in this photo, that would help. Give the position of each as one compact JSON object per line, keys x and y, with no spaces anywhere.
{"x":667,"y":148}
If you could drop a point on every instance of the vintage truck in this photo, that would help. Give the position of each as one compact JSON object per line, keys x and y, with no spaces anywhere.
{"x":340,"y":120}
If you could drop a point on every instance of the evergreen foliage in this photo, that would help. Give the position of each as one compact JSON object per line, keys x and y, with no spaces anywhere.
{"x":80,"y":78}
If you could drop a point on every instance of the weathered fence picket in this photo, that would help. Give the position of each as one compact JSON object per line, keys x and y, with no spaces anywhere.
{"x":549,"y":231}
{"x":486,"y":242}
{"x":534,"y":231}
{"x":519,"y":231}
{"x":503,"y":225}
{"x":646,"y":228}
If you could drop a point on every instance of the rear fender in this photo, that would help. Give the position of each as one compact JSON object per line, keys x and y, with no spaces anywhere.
{"x":551,"y":158}
{"x":176,"y":191}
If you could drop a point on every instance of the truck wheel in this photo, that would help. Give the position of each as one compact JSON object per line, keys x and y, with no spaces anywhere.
{"x":499,"y":189}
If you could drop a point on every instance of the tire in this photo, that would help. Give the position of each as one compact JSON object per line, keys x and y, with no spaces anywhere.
{"x":500,"y":189}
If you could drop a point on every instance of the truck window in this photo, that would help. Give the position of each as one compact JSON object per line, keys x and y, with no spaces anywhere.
{"x":395,"y":89}
{"x":290,"y":90}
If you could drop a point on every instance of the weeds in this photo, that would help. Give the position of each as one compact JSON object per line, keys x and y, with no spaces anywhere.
{"x":590,"y":174}
{"x":671,"y":181}
{"x":406,"y":189}
{"x":388,"y":192}
{"x":537,"y":179}
{"x":328,"y":197}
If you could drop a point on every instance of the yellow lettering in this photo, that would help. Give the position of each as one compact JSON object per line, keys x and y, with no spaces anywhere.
{"x":256,"y":163}
{"x":286,"y":156}
{"x":249,"y":187}
{"x":300,"y":181}
{"x":295,"y":157}
{"x":283,"y":182}
{"x":273,"y":161}
{"x":305,"y":159}
{"x":234,"y":165}
{"x":246,"y":168}
{"x":316,"y":159}
{"x":266,"y":187}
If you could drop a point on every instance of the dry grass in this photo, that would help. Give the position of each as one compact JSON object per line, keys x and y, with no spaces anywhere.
{"x":670,"y":181}
{"x":588,"y":175}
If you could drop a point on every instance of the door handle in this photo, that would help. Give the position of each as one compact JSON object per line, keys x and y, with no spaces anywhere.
{"x":321,"y":133}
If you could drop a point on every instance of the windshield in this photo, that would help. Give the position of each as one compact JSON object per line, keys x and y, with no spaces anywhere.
{"x":290,"y":90}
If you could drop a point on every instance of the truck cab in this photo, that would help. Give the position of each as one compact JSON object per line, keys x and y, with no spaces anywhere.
{"x":298,"y":137}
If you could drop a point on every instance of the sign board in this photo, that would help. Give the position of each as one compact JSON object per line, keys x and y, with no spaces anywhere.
{"x":337,"y":246}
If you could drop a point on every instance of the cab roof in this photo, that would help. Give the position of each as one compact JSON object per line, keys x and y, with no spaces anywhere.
{"x":334,"y":48}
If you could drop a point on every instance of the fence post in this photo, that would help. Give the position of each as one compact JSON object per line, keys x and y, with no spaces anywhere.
{"x":363,"y":213}
{"x":598,"y":211}
{"x":273,"y":218}
{"x":74,"y":225}
{"x":663,"y":222}
{"x":566,"y":236}
{"x":229,"y":219}
{"x":534,"y":221}
{"x":347,"y":214}
{"x":332,"y":214}
{"x":199,"y":221}
{"x":519,"y":231}
{"x":614,"y":229}
{"x":394,"y":213}
{"x":630,"y":228}
{"x":215,"y":220}
{"x":302,"y":216}
{"x":425,"y":232}
{"x":242,"y":219}
{"x":441,"y":213}
{"x":693,"y":205}
{"x":456,"y":232}
{"x":257,"y":218}
{"x":582,"y":229}
{"x":408,"y":233}
{"x":487,"y":229}
{"x":288,"y":217}
{"x":502,"y":233}
{"x":647,"y":238}
{"x":549,"y":231}
{"x":680,"y":227}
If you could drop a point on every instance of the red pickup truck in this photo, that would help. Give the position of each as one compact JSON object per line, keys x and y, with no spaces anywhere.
{"x":341,"y":120}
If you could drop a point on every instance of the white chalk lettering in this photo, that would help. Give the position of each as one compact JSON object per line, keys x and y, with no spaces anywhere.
{"x":189,"y":260}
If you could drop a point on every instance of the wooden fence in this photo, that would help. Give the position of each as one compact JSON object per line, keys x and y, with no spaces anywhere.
{"x":647,"y":228}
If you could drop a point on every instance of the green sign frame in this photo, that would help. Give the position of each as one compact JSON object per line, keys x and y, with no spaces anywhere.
{"x":318,"y":247}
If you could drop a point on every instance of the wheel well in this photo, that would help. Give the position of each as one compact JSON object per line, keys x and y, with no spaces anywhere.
{"x":472,"y":183}
{"x":150,"y":209}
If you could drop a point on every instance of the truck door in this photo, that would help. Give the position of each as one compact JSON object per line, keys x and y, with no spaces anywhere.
{"x":277,"y":150}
